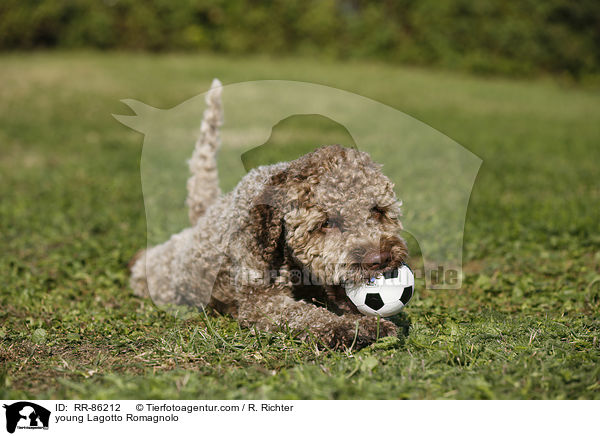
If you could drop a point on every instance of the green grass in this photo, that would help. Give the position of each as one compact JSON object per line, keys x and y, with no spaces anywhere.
{"x":524,"y":325}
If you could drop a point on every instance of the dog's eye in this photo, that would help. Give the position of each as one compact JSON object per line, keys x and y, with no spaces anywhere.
{"x":378,"y":212}
{"x":332,"y":224}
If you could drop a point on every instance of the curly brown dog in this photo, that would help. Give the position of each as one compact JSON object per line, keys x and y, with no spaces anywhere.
{"x":278,"y":249}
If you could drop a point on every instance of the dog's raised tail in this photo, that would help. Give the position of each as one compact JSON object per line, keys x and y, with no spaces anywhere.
{"x":203,"y":185}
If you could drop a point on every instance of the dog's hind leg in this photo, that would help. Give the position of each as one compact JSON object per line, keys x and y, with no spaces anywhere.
{"x":203,"y":185}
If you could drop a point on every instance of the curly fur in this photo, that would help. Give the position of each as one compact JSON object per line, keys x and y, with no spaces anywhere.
{"x":278,"y":249}
{"x":203,"y":185}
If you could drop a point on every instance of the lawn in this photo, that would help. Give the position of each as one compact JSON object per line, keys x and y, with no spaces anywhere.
{"x":525,"y":324}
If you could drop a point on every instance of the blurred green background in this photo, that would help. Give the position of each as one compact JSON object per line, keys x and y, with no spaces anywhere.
{"x":488,"y":36}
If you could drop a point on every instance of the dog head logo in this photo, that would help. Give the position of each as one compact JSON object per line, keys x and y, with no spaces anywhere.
{"x":26,"y":415}
{"x":432,"y":174}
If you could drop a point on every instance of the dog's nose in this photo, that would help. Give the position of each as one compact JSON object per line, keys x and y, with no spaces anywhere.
{"x":376,"y":260}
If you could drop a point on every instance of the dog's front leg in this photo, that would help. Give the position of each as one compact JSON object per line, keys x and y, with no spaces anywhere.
{"x":270,"y":310}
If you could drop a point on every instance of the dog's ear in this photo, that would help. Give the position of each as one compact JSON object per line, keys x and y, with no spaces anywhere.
{"x":268,"y":223}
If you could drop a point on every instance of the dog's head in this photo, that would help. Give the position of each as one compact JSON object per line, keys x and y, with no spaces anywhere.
{"x":333,"y":214}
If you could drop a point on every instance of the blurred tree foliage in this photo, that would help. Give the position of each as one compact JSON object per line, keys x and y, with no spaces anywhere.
{"x":495,"y":36}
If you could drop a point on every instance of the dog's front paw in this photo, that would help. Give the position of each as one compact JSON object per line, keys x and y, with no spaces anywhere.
{"x":368,"y":332}
{"x":370,"y":329}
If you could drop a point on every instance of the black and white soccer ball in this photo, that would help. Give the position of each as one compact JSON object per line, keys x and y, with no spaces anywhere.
{"x":385,"y":295}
